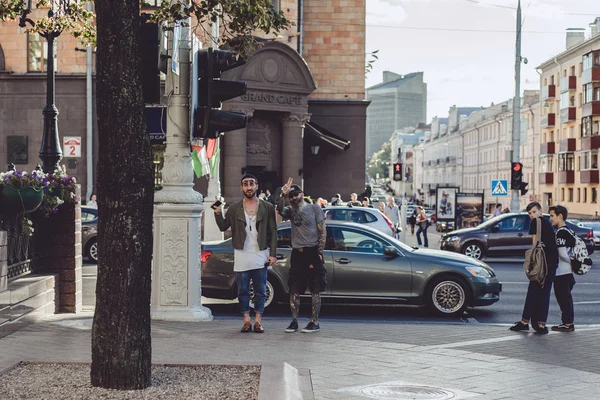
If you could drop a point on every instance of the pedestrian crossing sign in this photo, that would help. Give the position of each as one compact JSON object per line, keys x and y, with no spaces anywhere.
{"x":500,"y":187}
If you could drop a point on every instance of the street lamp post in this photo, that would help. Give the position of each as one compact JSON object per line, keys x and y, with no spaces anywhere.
{"x":50,"y":151}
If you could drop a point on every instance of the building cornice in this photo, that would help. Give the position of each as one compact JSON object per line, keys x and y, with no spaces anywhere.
{"x":568,"y":54}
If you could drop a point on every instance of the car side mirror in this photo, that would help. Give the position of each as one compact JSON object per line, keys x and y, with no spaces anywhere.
{"x":390,"y":251}
{"x":496,"y":228}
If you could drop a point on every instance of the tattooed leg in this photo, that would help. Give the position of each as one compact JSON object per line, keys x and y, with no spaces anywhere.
{"x":316,"y":306}
{"x":294,"y":305}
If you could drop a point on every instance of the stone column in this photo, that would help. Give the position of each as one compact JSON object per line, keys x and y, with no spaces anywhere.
{"x":176,"y":286}
{"x":234,"y":148}
{"x":292,"y":149}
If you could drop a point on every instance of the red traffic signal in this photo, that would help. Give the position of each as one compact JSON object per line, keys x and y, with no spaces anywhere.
{"x":397,"y":172}
{"x":517,"y":167}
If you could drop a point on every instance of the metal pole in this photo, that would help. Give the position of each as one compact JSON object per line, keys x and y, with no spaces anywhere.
{"x":50,"y":151}
{"x":516,"y":134}
{"x":89,"y":148}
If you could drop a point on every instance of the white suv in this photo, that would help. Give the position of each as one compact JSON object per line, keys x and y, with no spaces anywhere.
{"x":361,"y":215}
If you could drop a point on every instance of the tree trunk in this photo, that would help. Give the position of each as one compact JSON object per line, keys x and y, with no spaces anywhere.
{"x":121,"y":344}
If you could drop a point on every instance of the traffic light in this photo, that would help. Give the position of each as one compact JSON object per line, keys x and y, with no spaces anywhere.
{"x":397,"y":171}
{"x":209,"y":121}
{"x":516,"y":178}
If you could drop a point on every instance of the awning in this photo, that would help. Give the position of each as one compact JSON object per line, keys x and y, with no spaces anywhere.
{"x":327,"y":136}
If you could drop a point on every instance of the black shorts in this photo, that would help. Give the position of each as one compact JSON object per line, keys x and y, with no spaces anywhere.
{"x":307,"y":269}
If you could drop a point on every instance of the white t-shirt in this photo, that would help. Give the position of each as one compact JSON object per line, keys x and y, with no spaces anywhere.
{"x":251,"y":257}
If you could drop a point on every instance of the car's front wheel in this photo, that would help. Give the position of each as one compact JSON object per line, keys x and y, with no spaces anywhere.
{"x":473,"y":250}
{"x":447,"y":296}
{"x":270,"y":294}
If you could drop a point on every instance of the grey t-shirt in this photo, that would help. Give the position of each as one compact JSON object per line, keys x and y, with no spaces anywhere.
{"x":304,"y":226}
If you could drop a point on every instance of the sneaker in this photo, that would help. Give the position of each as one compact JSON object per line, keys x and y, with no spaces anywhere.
{"x":519,"y":326}
{"x":293,"y":327}
{"x":541,"y":331}
{"x":311,"y":327}
{"x":563,"y":328}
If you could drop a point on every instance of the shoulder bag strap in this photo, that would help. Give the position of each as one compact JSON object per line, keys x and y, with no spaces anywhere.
{"x":538,"y":231}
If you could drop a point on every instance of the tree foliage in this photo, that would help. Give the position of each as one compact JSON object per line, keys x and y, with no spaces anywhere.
{"x":380,"y":161}
{"x":241,"y":19}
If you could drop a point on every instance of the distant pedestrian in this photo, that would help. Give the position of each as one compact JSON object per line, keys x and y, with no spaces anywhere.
{"x":537,"y":301}
{"x":336,"y":200}
{"x":596,"y":216}
{"x":564,"y":280}
{"x":307,"y":262}
{"x":422,"y":224}
{"x":366,"y":202}
{"x":268,"y":196}
{"x":254,"y":240}
{"x":498,"y":210}
{"x":392,"y":211}
{"x":354,"y":200}
{"x":92,"y":202}
{"x":413,"y":221}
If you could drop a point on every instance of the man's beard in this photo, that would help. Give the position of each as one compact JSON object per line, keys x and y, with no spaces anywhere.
{"x":297,"y":201}
{"x":250,"y":195}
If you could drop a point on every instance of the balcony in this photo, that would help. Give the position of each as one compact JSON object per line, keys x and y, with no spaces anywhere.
{"x":548,"y":148}
{"x":451,"y":160}
{"x":566,"y":177}
{"x":590,"y":75}
{"x":591,"y":109}
{"x":568,"y":83}
{"x":549,"y":92}
{"x":546,"y":178}
{"x":548,"y":120}
{"x":568,"y":114}
{"x":590,"y":143}
{"x":589,"y":176}
{"x":568,"y":145}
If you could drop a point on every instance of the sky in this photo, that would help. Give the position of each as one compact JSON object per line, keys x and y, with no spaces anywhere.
{"x":466,"y":48}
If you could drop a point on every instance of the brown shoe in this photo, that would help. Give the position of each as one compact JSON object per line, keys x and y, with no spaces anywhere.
{"x":247,"y":327}
{"x":258,"y":328}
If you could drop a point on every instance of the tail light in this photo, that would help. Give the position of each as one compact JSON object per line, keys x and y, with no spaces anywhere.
{"x":389,"y":222}
{"x":205,"y":255}
{"x":589,"y":235}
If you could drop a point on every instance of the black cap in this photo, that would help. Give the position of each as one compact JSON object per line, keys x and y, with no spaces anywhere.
{"x":295,"y":187}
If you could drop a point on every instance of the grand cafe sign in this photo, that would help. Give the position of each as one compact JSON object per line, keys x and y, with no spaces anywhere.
{"x":270,"y":98}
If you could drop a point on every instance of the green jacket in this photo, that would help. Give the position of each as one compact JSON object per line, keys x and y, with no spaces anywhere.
{"x":265,"y":225}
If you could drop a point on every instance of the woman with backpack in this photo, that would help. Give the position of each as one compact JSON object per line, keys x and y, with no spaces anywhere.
{"x":423,"y":224}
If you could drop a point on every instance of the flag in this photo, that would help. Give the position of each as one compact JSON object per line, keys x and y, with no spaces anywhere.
{"x":196,"y":164}
{"x":204,"y":161}
{"x":214,"y":161}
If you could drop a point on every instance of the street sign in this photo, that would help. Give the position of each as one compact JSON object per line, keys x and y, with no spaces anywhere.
{"x":72,"y":146}
{"x":500,"y":187}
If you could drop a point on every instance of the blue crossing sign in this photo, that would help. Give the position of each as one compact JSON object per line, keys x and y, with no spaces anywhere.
{"x":500,"y":187}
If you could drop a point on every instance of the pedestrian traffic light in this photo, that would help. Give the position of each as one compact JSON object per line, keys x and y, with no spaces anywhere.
{"x":209,"y":121}
{"x":397,"y":171}
{"x":516,"y":176}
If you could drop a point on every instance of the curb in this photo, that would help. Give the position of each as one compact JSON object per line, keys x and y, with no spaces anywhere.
{"x":281,"y":381}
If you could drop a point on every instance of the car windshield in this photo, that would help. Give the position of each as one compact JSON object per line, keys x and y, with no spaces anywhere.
{"x":594,"y":225}
{"x":492,"y":221}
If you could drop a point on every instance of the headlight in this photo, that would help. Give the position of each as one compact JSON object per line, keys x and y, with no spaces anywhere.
{"x":479,"y":271}
{"x":453,"y":239}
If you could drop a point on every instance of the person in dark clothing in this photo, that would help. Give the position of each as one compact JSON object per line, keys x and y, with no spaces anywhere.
{"x":564,"y":280}
{"x":537,"y":301}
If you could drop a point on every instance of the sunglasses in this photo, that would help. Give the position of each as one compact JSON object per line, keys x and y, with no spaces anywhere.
{"x":294,"y":193}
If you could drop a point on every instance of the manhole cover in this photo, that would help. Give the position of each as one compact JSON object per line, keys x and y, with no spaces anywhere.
{"x":406,"y":392}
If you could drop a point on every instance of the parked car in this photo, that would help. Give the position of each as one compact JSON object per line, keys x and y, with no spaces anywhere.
{"x":504,"y":235}
{"x":89,"y":232}
{"x":595,"y":226}
{"x":365,"y":265}
{"x":444,"y":226}
{"x":361,"y":215}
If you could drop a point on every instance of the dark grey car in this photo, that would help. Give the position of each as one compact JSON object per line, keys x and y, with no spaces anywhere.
{"x":365,"y":265}
{"x":89,"y":233}
{"x":504,"y":235}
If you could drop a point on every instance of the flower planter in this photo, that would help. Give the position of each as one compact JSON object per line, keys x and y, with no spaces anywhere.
{"x":20,"y":200}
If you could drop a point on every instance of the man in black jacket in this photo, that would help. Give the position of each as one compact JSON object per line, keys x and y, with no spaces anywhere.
{"x":253,"y":229}
{"x":537,"y":301}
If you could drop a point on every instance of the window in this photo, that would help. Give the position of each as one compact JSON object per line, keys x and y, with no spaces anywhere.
{"x":594,"y":195}
{"x":512,"y":224}
{"x":566,"y":162}
{"x":578,"y":195}
{"x":284,"y":239}
{"x":88,"y":217}
{"x":570,"y":195}
{"x":347,"y":239}
{"x":152,"y":3}
{"x":572,"y":70}
{"x":585,"y":195}
{"x":562,"y":194}
{"x":276,"y":4}
{"x":37,"y":53}
{"x":370,"y":217}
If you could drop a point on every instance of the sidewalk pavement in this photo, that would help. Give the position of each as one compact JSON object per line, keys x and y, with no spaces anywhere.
{"x":358,"y":360}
